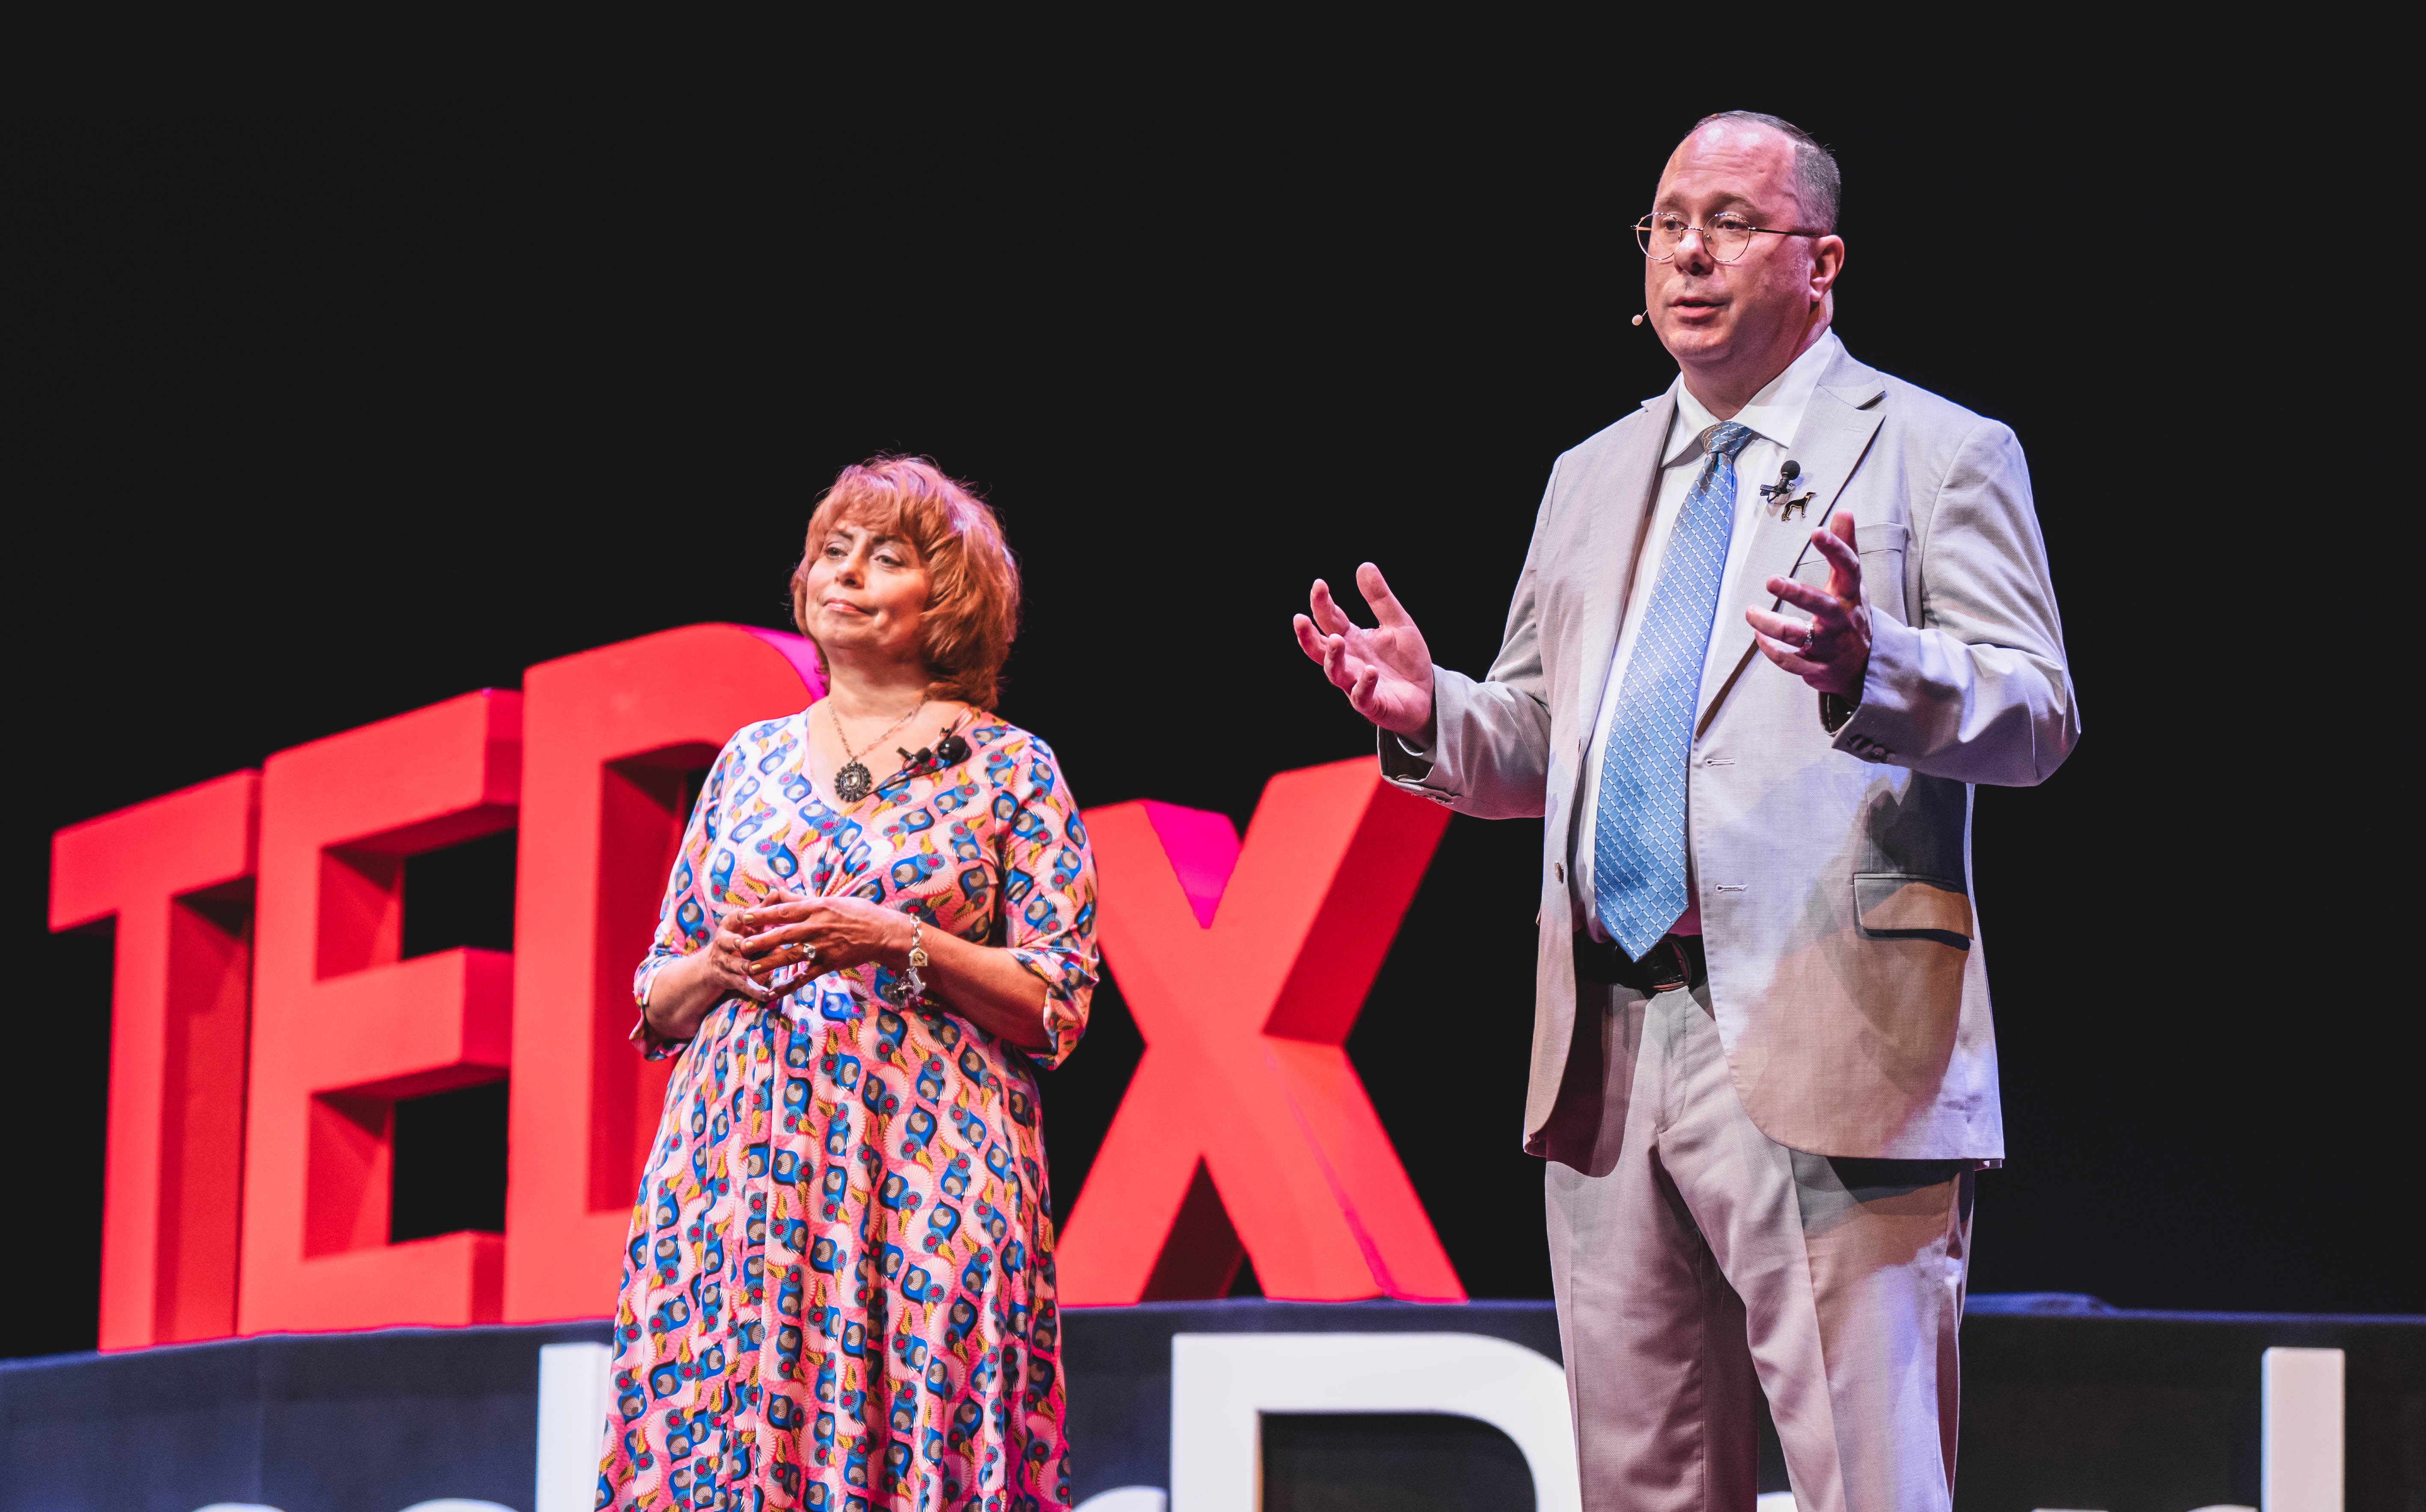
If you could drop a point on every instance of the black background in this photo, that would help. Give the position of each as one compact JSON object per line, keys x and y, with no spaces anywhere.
{"x":332,"y":417}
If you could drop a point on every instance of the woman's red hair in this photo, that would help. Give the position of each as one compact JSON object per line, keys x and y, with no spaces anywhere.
{"x":973,"y":581}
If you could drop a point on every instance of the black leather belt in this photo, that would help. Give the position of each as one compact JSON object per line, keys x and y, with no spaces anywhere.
{"x":1673,"y":961}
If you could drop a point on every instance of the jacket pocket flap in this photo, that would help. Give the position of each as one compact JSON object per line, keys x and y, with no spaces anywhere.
{"x":1888,"y":536}
{"x":1906,"y":905}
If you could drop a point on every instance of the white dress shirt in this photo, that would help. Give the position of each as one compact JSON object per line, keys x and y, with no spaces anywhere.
{"x":1773,"y":416}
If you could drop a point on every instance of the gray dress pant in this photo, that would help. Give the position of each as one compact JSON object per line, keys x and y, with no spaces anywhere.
{"x":1693,"y":1255}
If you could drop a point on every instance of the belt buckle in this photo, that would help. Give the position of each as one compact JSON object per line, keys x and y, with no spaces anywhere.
{"x":1683,"y":967}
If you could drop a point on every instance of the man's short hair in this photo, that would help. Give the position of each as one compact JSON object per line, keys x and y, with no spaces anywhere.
{"x":1818,"y":186}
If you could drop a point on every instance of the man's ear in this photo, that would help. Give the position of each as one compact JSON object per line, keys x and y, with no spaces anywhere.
{"x":1827,"y":265}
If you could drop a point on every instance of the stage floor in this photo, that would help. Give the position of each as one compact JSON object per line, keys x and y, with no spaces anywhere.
{"x":2064,"y":1405}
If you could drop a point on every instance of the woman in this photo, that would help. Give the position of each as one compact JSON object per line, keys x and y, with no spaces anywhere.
{"x":838,"y":1290}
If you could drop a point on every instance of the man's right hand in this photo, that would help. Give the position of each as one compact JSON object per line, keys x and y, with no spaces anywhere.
{"x":1385,"y":671}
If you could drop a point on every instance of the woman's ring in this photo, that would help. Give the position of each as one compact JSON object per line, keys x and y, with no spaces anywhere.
{"x":1810,"y":636}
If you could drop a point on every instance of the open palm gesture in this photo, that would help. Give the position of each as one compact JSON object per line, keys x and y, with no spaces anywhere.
{"x":1385,"y":671}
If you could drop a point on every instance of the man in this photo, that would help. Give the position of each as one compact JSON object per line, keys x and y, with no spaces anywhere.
{"x":1772,"y":628}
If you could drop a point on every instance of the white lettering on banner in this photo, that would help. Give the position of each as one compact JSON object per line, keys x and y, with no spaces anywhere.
{"x":444,"y":1504}
{"x":575,"y":1396}
{"x":2300,"y":1468}
{"x":1223,"y":1383}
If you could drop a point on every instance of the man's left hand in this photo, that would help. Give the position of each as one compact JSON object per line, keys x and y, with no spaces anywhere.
{"x":1831,"y":650}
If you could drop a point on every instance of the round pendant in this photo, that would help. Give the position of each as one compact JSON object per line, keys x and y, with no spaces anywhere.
{"x":851,"y":782}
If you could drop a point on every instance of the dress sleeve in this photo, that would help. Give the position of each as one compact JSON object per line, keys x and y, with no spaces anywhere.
{"x":1048,"y":897}
{"x":684,"y":922}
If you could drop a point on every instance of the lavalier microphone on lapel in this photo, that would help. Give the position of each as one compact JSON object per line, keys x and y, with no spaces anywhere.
{"x":1782,"y":491}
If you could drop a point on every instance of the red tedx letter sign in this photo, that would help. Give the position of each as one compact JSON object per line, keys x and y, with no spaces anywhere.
{"x":176,"y":873}
{"x":1245,"y":968}
{"x":607,"y":736}
{"x":342,"y":1028}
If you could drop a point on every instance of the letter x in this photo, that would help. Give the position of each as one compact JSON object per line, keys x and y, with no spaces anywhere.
{"x":1246,"y":1125}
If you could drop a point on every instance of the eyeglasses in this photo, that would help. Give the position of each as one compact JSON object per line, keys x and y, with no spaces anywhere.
{"x":1727,"y":238}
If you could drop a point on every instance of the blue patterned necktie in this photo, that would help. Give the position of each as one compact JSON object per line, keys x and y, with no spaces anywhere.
{"x":1639,"y":829}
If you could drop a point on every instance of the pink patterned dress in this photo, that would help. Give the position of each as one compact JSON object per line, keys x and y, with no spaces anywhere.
{"x":838,"y":1288}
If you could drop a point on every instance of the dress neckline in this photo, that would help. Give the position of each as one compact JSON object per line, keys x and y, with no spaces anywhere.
{"x":974,"y":718}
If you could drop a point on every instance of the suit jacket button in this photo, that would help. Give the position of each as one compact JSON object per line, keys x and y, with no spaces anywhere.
{"x":1558,"y":871}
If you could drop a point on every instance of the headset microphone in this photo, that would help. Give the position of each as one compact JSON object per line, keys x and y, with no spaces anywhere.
{"x":1638,"y":320}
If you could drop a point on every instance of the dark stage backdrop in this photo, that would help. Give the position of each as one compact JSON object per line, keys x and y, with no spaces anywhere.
{"x":328,"y":424}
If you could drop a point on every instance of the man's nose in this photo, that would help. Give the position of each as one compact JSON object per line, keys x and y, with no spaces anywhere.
{"x":1693,"y":252}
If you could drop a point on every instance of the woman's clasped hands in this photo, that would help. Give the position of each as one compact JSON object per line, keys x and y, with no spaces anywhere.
{"x":821,"y":934}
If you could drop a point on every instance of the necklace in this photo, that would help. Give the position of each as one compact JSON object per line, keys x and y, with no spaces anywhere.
{"x":852,"y":779}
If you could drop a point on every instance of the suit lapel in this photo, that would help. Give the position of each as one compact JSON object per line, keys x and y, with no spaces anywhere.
{"x":1836,"y":429}
{"x":1613,"y":554}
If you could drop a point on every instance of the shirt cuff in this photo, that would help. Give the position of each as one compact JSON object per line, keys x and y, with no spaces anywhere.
{"x":1880,"y":722}
{"x":1403,"y":760}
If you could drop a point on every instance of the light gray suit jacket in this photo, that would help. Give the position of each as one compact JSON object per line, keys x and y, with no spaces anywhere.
{"x":1833,"y":873}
